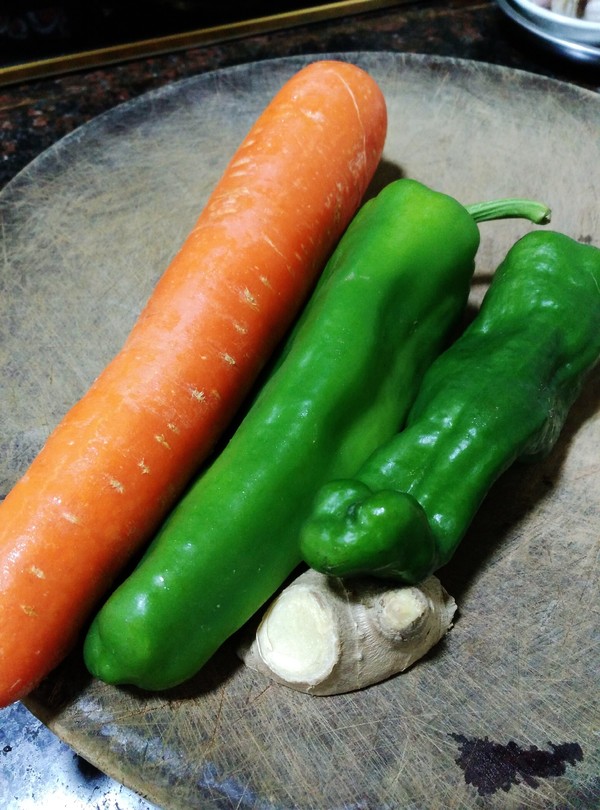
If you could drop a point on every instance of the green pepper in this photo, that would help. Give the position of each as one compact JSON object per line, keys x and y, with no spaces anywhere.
{"x":388,"y":299}
{"x":500,"y":393}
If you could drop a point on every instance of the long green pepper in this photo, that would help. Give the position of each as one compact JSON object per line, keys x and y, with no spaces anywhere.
{"x":500,"y":393}
{"x":384,"y":308}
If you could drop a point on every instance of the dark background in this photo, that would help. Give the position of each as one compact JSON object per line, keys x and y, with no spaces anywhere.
{"x":37,"y":30}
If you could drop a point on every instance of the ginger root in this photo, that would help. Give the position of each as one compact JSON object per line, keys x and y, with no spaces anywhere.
{"x":326,"y":636}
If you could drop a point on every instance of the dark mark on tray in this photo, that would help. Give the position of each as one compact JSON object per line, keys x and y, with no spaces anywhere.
{"x":490,"y":766}
{"x":86,"y":769}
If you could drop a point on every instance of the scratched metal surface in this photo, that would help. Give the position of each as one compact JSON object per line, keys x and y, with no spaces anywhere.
{"x":504,"y":713}
{"x":37,"y":769}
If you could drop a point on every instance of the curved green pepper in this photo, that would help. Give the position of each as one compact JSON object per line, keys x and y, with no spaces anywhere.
{"x":383,"y":309}
{"x":500,"y":393}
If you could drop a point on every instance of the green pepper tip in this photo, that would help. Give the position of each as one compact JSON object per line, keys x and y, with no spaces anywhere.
{"x":356,"y":530}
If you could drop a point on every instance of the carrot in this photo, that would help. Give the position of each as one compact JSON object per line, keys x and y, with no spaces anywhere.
{"x":121,"y":456}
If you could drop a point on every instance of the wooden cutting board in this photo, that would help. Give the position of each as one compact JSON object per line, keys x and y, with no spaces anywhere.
{"x":504,"y":712}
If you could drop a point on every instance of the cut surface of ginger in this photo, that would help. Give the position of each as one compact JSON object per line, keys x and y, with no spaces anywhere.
{"x":298,"y":637}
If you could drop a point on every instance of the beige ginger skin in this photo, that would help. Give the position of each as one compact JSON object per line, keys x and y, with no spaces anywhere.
{"x":325,"y":636}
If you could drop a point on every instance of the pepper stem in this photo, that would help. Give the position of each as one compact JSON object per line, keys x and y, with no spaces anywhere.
{"x":536,"y":212}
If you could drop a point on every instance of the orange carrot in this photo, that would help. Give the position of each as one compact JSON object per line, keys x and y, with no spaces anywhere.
{"x":120,"y":457}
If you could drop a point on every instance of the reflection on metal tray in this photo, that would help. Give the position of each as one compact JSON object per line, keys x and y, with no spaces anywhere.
{"x":37,"y":39}
{"x":576,"y":51}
